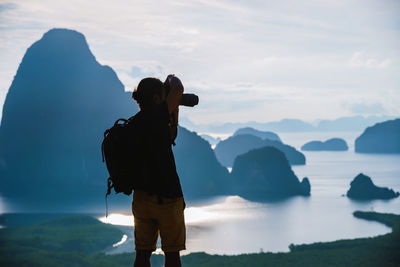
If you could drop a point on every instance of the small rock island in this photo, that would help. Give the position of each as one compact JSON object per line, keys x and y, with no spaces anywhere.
{"x":265,"y":173}
{"x":362,"y":188}
{"x":334,"y":144}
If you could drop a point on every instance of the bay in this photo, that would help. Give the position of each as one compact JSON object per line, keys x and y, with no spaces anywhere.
{"x":233,"y":225}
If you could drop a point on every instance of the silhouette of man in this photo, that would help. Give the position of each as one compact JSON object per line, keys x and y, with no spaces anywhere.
{"x":158,"y":203}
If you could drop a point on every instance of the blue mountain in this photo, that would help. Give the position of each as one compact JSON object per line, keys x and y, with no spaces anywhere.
{"x":265,"y":173}
{"x":211,"y":140}
{"x":199,"y":170}
{"x":58,"y":106}
{"x":352,"y":124}
{"x":383,"y":137}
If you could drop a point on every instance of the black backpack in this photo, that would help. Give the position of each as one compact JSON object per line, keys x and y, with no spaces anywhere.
{"x":121,"y":150}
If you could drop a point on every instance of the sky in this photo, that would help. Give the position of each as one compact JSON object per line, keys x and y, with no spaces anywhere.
{"x":247,"y":60}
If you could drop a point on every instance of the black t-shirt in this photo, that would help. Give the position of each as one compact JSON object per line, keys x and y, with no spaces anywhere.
{"x":159,"y":175}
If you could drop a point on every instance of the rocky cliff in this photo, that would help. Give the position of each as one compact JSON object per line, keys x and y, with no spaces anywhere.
{"x":265,"y":173}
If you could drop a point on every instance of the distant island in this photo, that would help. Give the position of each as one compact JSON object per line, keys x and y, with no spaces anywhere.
{"x":262,"y":134}
{"x":362,"y":188}
{"x":334,"y":144}
{"x":343,"y":124}
{"x":383,"y":137}
{"x":213,"y":141}
{"x":227,"y":150}
{"x":265,"y":172}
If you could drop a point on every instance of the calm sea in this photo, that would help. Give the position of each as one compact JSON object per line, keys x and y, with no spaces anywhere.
{"x":233,"y":225}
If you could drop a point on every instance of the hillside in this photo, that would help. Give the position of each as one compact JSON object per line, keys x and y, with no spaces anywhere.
{"x":383,"y":137}
{"x":59,"y":104}
{"x":265,"y":173}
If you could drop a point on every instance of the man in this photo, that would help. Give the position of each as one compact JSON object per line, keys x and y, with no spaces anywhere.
{"x":158,"y":202}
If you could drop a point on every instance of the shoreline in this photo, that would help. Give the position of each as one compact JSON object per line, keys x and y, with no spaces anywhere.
{"x":369,"y":251}
{"x":19,"y":219}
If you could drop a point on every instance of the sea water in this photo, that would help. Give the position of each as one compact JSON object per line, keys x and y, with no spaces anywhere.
{"x":233,"y":225}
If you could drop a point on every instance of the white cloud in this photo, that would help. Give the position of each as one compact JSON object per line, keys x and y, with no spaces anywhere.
{"x":360,"y":60}
{"x":367,"y":108}
{"x":248,"y":60}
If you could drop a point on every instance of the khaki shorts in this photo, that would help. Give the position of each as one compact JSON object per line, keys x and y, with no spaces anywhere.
{"x":152,"y":218}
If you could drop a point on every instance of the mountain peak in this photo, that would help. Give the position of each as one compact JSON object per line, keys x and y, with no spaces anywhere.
{"x":60,"y":45}
{"x":65,"y":37}
{"x":54,"y":116}
{"x":57,"y":32}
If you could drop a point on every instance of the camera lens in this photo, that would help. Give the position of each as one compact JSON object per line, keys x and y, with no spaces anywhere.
{"x":189,"y":100}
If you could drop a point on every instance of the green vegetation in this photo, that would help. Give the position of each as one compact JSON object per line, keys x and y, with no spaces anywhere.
{"x":56,"y":243}
{"x":64,"y":241}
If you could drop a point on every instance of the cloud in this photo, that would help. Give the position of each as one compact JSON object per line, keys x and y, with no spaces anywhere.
{"x":246,"y":59}
{"x":367,"y":109}
{"x":7,"y":6}
{"x":360,"y":60}
{"x":137,"y":72}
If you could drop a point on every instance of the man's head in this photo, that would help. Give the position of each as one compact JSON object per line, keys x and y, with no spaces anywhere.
{"x":148,"y":93}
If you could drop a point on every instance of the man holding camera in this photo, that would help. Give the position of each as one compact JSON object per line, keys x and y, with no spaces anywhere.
{"x":158,"y":204}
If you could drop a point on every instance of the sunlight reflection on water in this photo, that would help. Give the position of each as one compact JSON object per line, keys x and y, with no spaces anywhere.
{"x":196,"y":215}
{"x":118,"y":219}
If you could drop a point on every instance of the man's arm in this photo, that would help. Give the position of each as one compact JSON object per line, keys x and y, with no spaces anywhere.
{"x":175,"y":93}
{"x":174,"y":123}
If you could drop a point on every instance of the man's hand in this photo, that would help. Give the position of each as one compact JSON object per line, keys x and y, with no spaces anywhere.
{"x":175,"y":93}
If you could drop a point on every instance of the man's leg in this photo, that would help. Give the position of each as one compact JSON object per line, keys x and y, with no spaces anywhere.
{"x":172,"y":259}
{"x":146,"y":229}
{"x":142,"y":258}
{"x":172,"y":231}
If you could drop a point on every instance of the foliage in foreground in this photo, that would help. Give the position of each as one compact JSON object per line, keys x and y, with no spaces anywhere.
{"x":64,"y":241}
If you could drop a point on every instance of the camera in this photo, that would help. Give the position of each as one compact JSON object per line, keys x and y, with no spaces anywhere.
{"x":188,"y":100}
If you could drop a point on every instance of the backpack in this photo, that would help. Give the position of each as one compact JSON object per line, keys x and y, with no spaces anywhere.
{"x":121,"y":148}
